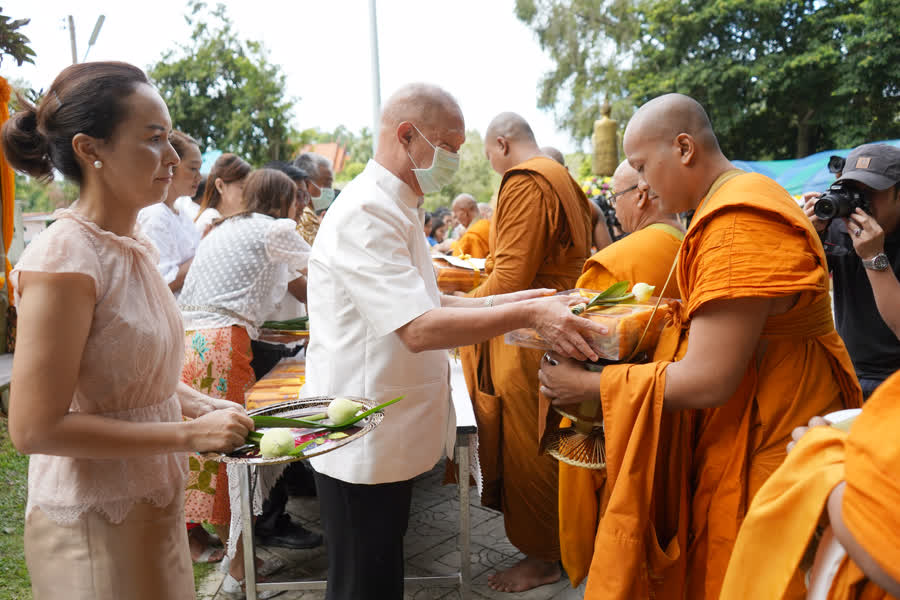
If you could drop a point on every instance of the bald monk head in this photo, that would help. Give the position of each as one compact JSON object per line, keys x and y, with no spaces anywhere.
{"x":465,"y":209}
{"x":671,"y":143}
{"x":554,"y":154}
{"x":486,"y":210}
{"x":415,"y":119}
{"x":637,"y":208}
{"x":509,"y":141}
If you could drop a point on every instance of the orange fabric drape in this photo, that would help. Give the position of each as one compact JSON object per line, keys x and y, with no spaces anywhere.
{"x":475,"y":241}
{"x":793,"y":500}
{"x":645,"y":255}
{"x":7,"y":188}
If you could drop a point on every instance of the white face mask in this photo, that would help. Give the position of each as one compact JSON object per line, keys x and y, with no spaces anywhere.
{"x":323,"y":200}
{"x":443,"y":167}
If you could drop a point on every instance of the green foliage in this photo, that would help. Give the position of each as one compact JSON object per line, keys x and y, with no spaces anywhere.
{"x":14,"y":43}
{"x":36,"y":196}
{"x":358,"y":146}
{"x":13,"y":488}
{"x":475,"y":176}
{"x":224,"y":91}
{"x":779,"y":79}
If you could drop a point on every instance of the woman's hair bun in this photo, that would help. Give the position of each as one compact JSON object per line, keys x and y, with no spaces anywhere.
{"x":24,"y":146}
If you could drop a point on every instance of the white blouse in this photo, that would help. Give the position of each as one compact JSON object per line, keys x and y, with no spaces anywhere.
{"x":173,"y":235}
{"x":239,"y":271}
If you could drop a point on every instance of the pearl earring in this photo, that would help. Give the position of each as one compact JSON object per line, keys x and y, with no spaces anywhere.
{"x":98,"y":164}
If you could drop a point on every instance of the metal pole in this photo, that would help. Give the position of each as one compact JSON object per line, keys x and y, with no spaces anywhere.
{"x":94,"y":35}
{"x":72,"y":40}
{"x":376,"y":75}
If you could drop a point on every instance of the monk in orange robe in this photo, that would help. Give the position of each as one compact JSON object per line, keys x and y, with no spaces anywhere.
{"x":540,"y":237}
{"x":475,"y":241}
{"x":848,"y":481}
{"x":693,"y":435}
{"x":601,"y":236}
{"x":645,"y":255}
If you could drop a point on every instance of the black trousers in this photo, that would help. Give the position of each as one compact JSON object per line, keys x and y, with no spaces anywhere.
{"x":364,"y":526}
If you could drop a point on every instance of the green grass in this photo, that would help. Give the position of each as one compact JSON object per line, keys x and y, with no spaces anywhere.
{"x":13,"y":488}
{"x":14,"y":581}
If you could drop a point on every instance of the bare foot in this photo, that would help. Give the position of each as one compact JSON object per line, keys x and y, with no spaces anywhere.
{"x":528,"y":573}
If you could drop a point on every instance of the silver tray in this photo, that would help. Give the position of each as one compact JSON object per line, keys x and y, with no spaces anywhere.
{"x":299,"y":408}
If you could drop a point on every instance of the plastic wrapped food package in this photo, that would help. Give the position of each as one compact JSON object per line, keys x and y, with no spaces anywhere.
{"x":625,"y":324}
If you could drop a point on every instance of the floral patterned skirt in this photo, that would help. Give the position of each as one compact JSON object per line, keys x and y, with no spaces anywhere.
{"x":216,"y":363}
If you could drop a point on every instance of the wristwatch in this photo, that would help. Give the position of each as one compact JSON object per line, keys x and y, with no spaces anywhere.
{"x":879,"y":262}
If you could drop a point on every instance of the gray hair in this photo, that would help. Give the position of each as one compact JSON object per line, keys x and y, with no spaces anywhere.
{"x":312,"y":162}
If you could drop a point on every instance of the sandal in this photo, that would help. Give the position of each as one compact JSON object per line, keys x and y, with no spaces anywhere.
{"x":210,"y":555}
{"x":234,"y":590}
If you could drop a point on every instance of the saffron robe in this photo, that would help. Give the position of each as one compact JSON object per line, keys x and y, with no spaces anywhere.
{"x":680,"y":482}
{"x":645,"y":256}
{"x":792,"y":502}
{"x":540,"y":237}
{"x":475,"y":241}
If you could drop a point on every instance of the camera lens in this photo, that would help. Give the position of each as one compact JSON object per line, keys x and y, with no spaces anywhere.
{"x":825,"y":208}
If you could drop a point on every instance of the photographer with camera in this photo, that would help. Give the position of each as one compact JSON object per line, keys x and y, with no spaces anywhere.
{"x":858,"y":219}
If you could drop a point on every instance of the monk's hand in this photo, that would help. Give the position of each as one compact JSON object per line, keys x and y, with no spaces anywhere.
{"x":567,"y":334}
{"x":523,"y":295}
{"x":565,"y":381}
{"x":866,"y":233}
{"x":809,"y":204}
{"x":799,"y":432}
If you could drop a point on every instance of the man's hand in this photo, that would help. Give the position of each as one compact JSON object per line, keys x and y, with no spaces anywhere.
{"x":866,"y":233}
{"x":567,"y":334}
{"x":500,"y":299}
{"x":799,"y":432}
{"x":567,"y":382}
{"x":809,"y":203}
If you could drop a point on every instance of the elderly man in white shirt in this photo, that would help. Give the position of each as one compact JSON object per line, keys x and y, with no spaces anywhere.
{"x":379,"y":329}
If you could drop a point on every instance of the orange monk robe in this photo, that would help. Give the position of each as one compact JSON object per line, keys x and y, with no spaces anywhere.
{"x":670,"y":525}
{"x":645,"y":255}
{"x":475,"y":241}
{"x":540,"y":237}
{"x":792,"y":502}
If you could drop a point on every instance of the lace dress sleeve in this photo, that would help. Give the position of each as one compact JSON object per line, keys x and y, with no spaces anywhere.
{"x":61,"y":248}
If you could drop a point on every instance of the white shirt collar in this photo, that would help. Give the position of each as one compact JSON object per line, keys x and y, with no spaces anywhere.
{"x":394,"y":186}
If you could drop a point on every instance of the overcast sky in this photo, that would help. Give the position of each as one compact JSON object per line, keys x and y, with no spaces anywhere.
{"x":476,"y":49}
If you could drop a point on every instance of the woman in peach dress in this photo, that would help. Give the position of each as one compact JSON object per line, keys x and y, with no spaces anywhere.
{"x":95,"y":395}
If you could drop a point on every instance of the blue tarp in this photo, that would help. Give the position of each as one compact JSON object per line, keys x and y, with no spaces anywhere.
{"x":809,"y":174}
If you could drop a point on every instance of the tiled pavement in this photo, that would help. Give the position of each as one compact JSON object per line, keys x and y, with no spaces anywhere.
{"x":431,"y":548}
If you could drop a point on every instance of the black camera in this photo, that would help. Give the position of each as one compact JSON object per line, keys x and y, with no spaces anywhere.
{"x":840,"y":200}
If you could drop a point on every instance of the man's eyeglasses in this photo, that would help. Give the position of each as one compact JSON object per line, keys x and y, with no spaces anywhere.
{"x":612,"y":199}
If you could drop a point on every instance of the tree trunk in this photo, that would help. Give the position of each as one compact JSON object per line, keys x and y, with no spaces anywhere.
{"x":803,"y":135}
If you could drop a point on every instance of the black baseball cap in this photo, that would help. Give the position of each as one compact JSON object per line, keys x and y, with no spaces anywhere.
{"x":875,"y":165}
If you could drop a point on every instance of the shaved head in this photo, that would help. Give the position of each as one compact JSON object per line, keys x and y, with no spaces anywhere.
{"x":509,"y":141}
{"x":624,"y":176}
{"x":667,"y":116}
{"x":671,"y":143}
{"x":465,"y":209}
{"x":464,"y":201}
{"x":554,"y":154}
{"x":421,"y":103}
{"x":511,"y":126}
{"x":637,"y":208}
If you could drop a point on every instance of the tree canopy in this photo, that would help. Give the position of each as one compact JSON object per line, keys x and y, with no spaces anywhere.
{"x":12,"y":42}
{"x":780,"y":79}
{"x":224,"y":91}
